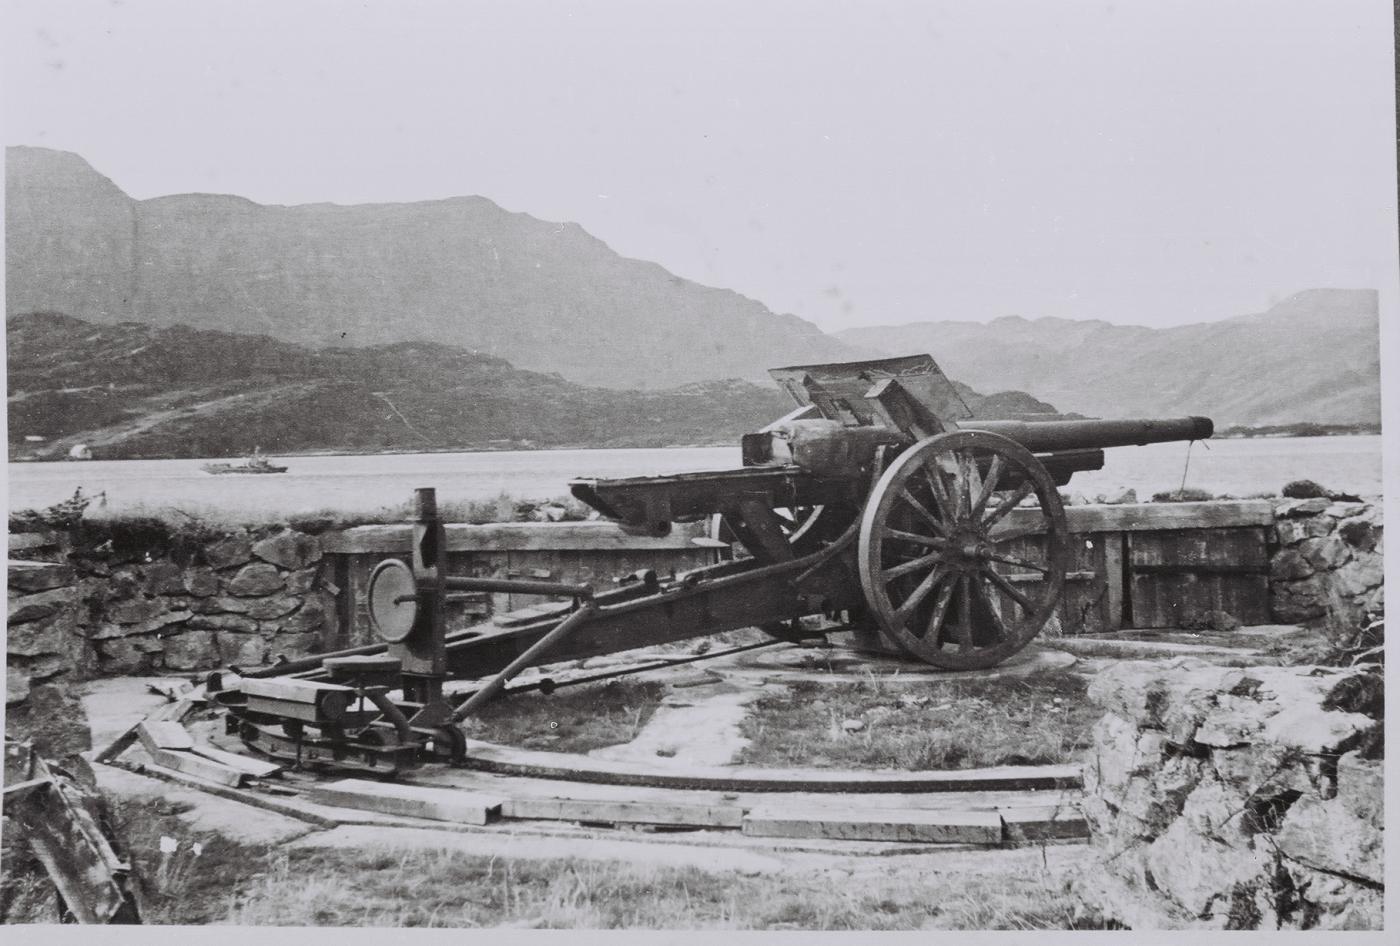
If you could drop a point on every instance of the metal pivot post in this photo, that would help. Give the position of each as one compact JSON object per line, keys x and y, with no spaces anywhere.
{"x":423,"y":652}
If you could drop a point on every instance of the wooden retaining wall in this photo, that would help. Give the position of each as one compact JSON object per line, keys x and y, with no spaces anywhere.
{"x":592,"y":553}
{"x":1152,"y":564}
{"x":1142,"y":565}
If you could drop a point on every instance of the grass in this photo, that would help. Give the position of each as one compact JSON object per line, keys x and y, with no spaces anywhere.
{"x":575,"y":719}
{"x":1041,"y":718}
{"x":208,"y":879}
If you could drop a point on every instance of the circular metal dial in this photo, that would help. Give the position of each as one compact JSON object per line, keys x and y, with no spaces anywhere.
{"x":393,"y":600}
{"x":949,"y":572}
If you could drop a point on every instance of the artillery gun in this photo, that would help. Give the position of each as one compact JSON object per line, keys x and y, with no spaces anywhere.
{"x":878,"y":503}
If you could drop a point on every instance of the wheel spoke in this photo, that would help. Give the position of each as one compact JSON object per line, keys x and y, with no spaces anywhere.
{"x":940,"y":612}
{"x":1011,"y":590}
{"x":936,"y":576}
{"x":917,"y":539}
{"x":1007,"y":560}
{"x":989,"y":486}
{"x":964,"y":628}
{"x":1011,"y":503}
{"x":913,"y":565}
{"x":967,"y":482}
{"x":919,"y":507}
{"x":1010,"y":535}
{"x":934,"y":474}
{"x":998,"y":625}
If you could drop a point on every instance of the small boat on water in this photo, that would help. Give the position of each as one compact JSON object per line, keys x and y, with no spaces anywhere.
{"x":255,"y":463}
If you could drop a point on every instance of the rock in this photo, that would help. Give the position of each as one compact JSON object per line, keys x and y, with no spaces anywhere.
{"x":1155,"y":801}
{"x":311,"y":617}
{"x":1263,"y":769}
{"x":234,"y":550}
{"x":1289,"y":565}
{"x":1361,"y":788}
{"x":1293,"y":508}
{"x":201,"y":582}
{"x":32,"y":607}
{"x":191,"y":650}
{"x":1345,"y":510}
{"x":1324,"y":835}
{"x":241,"y":650}
{"x":1325,"y":554}
{"x":1359,"y":533}
{"x":40,"y":576}
{"x":1122,"y":498}
{"x":1311,"y":730}
{"x":1329,"y":902}
{"x":293,"y":646}
{"x":236,"y":623}
{"x":128,"y":655}
{"x":273,"y":606}
{"x":255,"y":580}
{"x":137,"y":610}
{"x":1227,"y":728}
{"x":1290,"y":531}
{"x":106,"y":629}
{"x":16,"y":684}
{"x":852,"y":725}
{"x":1209,"y":621}
{"x":301,"y":582}
{"x":48,"y":635}
{"x":163,"y":578}
{"x":1294,"y":602}
{"x":289,"y":550}
{"x":1365,"y":571}
{"x":1198,"y":873}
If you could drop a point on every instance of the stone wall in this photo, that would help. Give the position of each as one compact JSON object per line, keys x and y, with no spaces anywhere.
{"x":238,"y":598}
{"x":44,"y":640}
{"x":1236,"y":799}
{"x":1327,"y":562}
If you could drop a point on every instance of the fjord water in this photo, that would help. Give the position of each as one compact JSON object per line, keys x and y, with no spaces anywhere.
{"x":360,"y":484}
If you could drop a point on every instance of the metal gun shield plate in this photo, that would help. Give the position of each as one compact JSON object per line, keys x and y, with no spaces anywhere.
{"x":393,"y":600}
{"x":943,"y":572}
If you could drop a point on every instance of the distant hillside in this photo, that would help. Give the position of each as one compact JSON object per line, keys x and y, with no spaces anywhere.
{"x":131,"y":390}
{"x":462,"y":271}
{"x":1314,"y":357}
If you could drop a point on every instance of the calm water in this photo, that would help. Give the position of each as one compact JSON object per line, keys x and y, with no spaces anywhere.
{"x":372,"y":483}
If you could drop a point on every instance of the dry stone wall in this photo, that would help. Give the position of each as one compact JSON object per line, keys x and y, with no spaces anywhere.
{"x":238,"y":598}
{"x":1328,"y":562}
{"x":1236,"y":798}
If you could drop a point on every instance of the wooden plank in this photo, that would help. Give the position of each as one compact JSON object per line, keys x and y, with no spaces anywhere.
{"x":875,"y":824}
{"x":191,"y":764}
{"x":256,"y":768}
{"x":164,"y":734}
{"x":288,"y":688}
{"x":288,"y":808}
{"x":1113,"y":543}
{"x":1176,"y":574}
{"x":1043,"y":823}
{"x":518,"y":536}
{"x":1147,"y":517}
{"x":487,"y":757}
{"x":622,"y":812}
{"x":437,"y":804}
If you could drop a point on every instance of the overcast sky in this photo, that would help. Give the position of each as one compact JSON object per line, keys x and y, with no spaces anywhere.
{"x":863,"y":163}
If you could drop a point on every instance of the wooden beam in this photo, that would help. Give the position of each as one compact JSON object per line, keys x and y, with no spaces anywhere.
{"x":875,"y":824}
{"x":1044,"y":823}
{"x":256,"y":768}
{"x":1148,"y":517}
{"x":623,"y":812}
{"x":191,"y":764}
{"x":437,"y":804}
{"x":166,"y":734}
{"x":516,"y":536}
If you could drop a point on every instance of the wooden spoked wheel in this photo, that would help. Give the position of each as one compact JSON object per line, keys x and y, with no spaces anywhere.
{"x":950,"y":574}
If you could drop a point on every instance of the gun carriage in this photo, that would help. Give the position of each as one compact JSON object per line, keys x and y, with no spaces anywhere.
{"x":878,"y":503}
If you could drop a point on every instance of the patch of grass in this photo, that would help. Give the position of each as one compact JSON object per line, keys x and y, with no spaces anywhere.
{"x":1041,"y":718}
{"x":575,"y":719}
{"x":385,"y":888}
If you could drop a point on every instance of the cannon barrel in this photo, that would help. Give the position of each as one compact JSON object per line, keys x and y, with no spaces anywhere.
{"x":1052,"y":435}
